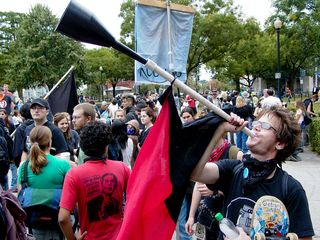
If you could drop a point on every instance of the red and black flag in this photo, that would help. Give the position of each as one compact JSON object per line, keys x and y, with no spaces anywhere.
{"x":162,"y":171}
{"x":64,"y":98}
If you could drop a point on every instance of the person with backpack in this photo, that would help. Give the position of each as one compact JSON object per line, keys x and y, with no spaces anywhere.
{"x":276,"y":136}
{"x":44,"y":174}
{"x":308,"y":103}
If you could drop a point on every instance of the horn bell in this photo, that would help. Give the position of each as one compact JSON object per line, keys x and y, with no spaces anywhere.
{"x":80,"y":24}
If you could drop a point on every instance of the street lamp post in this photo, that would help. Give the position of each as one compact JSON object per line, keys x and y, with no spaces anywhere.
{"x":101,"y":70}
{"x":277,"y":26}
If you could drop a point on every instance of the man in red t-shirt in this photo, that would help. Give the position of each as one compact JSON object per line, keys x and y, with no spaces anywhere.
{"x":97,"y":186}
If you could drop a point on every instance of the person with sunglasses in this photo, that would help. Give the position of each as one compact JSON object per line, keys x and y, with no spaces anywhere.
{"x":276,"y":136}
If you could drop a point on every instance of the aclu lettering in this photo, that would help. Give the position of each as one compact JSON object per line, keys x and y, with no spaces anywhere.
{"x":144,"y":73}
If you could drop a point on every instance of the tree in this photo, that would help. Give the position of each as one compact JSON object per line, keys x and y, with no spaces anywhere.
{"x":39,"y":55}
{"x":300,"y":35}
{"x":252,"y":57}
{"x":115,"y":67}
{"x":9,"y":22}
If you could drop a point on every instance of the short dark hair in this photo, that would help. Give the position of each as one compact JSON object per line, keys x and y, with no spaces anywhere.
{"x":25,"y":111}
{"x":94,"y":137}
{"x":187,"y":110}
{"x":131,"y":97}
{"x":270,"y":92}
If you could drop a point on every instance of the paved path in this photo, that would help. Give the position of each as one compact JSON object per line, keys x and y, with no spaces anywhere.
{"x":308,"y":173}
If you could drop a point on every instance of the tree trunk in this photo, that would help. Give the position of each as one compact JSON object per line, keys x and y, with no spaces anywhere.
{"x":114,"y":90}
{"x":20,"y":93}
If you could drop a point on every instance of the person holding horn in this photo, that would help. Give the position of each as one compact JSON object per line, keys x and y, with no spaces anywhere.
{"x":276,"y":136}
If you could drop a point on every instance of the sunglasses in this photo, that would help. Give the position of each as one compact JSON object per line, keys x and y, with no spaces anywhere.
{"x":263,"y":125}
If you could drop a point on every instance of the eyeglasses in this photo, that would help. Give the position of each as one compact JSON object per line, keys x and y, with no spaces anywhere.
{"x":263,"y":125}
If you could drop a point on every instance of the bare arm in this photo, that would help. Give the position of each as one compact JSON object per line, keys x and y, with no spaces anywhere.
{"x":208,"y":173}
{"x":65,"y":224}
{"x":196,"y":197}
{"x":309,"y":111}
{"x":24,"y":156}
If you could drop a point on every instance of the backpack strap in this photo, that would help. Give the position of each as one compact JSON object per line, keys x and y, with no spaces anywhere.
{"x":285,"y":185}
{"x":24,"y":174}
{"x":237,"y":168}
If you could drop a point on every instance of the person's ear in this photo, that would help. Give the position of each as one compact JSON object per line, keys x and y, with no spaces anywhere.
{"x":280,"y":146}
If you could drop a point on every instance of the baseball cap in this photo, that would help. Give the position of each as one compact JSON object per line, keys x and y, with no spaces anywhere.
{"x":103,"y":103}
{"x":41,"y":102}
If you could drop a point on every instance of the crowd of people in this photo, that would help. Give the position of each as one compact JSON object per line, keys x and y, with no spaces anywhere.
{"x":88,"y":156}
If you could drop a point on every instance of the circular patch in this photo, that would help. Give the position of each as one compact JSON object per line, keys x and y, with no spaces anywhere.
{"x":245,"y":173}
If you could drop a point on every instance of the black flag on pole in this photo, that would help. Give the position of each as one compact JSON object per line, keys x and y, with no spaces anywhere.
{"x":64,"y":98}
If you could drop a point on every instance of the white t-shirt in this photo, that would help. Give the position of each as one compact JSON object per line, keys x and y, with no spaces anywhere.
{"x":112,"y":109}
{"x":127,"y":153}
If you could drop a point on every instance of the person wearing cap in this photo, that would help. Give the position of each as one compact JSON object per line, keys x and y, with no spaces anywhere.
{"x":39,"y":110}
{"x":5,"y":101}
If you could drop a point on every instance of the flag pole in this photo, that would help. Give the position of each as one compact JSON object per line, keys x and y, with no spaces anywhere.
{"x":186,"y":89}
{"x":169,"y":38}
{"x":54,"y":87}
{"x":57,"y":84}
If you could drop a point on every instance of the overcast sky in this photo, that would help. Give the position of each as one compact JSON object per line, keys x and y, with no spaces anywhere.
{"x":107,"y":11}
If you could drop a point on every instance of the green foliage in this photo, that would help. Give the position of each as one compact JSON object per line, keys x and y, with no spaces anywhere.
{"x":115,"y":66}
{"x":38,"y":55}
{"x":314,"y":135}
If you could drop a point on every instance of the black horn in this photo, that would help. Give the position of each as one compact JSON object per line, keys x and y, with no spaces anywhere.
{"x":80,"y":24}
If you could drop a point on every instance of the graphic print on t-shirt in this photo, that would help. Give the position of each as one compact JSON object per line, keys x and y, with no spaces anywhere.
{"x":3,"y":104}
{"x":99,"y":196}
{"x":239,"y":211}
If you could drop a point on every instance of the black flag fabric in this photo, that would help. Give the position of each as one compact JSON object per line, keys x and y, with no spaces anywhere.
{"x":162,"y":171}
{"x":64,"y":98}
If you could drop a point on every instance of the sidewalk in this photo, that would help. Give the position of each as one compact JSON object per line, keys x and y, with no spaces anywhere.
{"x":308,"y":173}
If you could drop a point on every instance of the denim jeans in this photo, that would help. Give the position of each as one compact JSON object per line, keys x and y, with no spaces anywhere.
{"x":47,"y":234}
{"x":4,"y":183}
{"x":184,"y":212}
{"x":242,"y":141}
{"x":14,"y":180}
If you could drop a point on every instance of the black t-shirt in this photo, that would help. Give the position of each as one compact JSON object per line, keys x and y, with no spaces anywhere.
{"x":238,"y":207}
{"x":143,"y":136}
{"x":58,"y":141}
{"x":5,"y":103}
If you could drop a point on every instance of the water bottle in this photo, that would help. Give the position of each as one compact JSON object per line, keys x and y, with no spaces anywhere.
{"x":227,"y":227}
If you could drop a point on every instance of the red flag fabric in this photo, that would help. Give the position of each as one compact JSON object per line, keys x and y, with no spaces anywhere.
{"x":146,"y":215}
{"x":161,"y":174}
